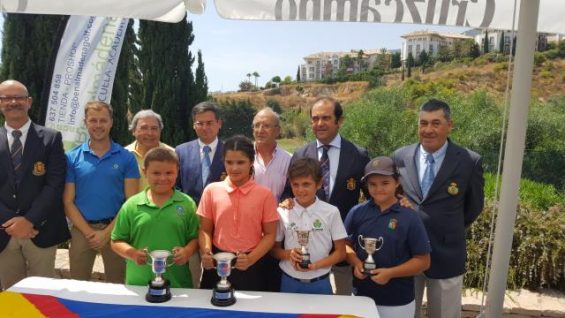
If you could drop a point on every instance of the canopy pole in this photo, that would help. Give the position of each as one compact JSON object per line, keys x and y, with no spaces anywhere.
{"x":514,"y":154}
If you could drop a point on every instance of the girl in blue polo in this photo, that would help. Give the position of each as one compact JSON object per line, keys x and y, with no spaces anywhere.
{"x":402,"y":243}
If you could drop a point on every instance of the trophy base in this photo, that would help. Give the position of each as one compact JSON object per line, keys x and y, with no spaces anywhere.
{"x":223,"y":297}
{"x":367,"y":269}
{"x":158,"y":294}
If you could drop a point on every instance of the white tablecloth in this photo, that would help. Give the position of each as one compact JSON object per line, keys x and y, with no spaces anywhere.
{"x":248,"y":301}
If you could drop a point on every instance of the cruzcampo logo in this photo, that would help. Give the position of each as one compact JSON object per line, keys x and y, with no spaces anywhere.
{"x":317,"y":224}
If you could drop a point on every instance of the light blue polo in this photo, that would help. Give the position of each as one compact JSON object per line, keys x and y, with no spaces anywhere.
{"x":99,"y":182}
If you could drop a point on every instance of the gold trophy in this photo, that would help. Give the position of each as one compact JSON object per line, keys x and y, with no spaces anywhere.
{"x":159,"y":288}
{"x":370,"y":245}
{"x":302,"y":237}
{"x":223,"y":293}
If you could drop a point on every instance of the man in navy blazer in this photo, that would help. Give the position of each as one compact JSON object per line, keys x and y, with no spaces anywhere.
{"x":206,"y":123}
{"x":347,"y":163}
{"x":32,"y":219}
{"x":454,"y":199}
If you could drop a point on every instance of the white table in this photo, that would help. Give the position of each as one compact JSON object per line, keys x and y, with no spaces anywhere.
{"x":248,"y":301}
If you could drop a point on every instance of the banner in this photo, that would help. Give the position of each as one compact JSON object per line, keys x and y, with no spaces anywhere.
{"x":492,"y":14}
{"x":162,"y":10}
{"x":84,"y":71}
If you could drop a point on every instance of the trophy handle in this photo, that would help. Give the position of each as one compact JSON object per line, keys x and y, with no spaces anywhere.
{"x":380,"y":242}
{"x":360,"y":240}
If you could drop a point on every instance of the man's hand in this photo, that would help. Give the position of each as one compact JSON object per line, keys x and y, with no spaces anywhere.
{"x":243,"y":262}
{"x":97,"y":239}
{"x":404,"y":202}
{"x":20,"y":227}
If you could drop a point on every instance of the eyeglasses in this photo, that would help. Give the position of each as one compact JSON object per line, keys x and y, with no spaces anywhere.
{"x":261,"y":125}
{"x":18,"y":99}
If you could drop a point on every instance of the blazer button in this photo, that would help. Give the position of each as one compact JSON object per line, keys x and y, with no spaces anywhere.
{"x":13,"y":196}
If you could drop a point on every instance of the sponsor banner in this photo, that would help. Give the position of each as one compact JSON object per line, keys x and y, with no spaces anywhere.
{"x":84,"y":71}
{"x":162,"y":10}
{"x":492,"y":14}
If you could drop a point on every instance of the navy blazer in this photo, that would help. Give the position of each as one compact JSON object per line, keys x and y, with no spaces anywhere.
{"x":39,"y":196}
{"x":454,"y":201}
{"x":190,"y":176}
{"x":350,"y":170}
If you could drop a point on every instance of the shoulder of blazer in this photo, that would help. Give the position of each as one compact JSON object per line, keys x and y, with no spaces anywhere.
{"x":347,"y":145}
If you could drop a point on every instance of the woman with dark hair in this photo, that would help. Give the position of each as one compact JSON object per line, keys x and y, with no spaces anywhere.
{"x":239,"y":216}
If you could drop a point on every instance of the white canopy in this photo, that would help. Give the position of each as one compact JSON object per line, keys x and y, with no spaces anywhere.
{"x":493,"y":14}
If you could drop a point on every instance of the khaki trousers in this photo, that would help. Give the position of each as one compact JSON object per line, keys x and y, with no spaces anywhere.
{"x":22,"y":258}
{"x":81,"y":258}
{"x":195,"y":267}
{"x":443,"y":295}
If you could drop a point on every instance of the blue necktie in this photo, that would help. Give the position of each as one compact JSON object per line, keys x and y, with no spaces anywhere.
{"x":206,"y":163}
{"x":325,"y":166}
{"x":16,"y":153}
{"x":428,"y":178}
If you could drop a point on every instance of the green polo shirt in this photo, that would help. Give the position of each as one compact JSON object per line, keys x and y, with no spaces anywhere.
{"x":142,"y":224}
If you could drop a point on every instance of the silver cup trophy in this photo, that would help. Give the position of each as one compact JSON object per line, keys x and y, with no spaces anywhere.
{"x":223,"y":293}
{"x":159,"y":288}
{"x":302,"y":237}
{"x":370,"y":245}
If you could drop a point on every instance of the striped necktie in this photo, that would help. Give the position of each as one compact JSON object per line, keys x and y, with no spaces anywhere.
{"x":16,"y":153}
{"x":325,"y":166}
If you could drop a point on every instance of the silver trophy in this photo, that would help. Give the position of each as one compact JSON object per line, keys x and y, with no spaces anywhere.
{"x":159,"y":288}
{"x":302,"y":237}
{"x":223,"y":293}
{"x":370,"y":245}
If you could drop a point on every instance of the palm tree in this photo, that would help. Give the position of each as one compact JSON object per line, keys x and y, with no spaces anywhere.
{"x":256,"y":75}
{"x":248,"y":77}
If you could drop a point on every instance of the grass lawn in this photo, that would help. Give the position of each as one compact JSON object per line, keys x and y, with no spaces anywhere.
{"x":291,"y":144}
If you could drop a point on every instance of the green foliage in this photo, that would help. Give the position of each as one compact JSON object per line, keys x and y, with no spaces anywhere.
{"x":295,"y":124}
{"x":245,"y":86}
{"x":538,"y":249}
{"x":120,"y":91}
{"x":237,"y":118}
{"x":275,"y":106}
{"x":165,"y":62}
{"x":27,"y":44}
{"x":381,"y":121}
{"x":395,"y":60}
{"x":200,"y":88}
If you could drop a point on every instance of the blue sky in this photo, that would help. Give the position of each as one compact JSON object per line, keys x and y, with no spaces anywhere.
{"x":233,"y":48}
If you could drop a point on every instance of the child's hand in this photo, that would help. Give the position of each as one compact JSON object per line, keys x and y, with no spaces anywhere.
{"x":243,"y":261}
{"x":295,"y":256}
{"x":180,"y":255}
{"x":287,"y":204}
{"x":138,"y":256}
{"x":381,"y":276}
{"x":207,"y":260}
{"x":311,"y":267}
{"x":358,"y":271}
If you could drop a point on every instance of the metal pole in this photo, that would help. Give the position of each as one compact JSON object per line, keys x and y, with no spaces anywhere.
{"x":514,"y":155}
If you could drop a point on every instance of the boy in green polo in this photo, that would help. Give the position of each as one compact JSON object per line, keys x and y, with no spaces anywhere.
{"x":159,"y":218}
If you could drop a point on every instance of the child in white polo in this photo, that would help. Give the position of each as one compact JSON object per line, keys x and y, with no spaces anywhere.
{"x":325,"y":227}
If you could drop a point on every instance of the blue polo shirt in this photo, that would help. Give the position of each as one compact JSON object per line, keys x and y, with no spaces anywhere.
{"x":99,"y":181}
{"x":403,"y":235}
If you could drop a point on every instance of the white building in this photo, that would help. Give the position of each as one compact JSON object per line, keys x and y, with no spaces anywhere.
{"x":326,"y":64}
{"x":428,"y":41}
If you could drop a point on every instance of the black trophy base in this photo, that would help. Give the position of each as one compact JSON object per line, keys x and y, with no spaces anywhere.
{"x":367,"y":268}
{"x":158,"y":294}
{"x":223,"y":297}
{"x":304,"y":264}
